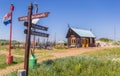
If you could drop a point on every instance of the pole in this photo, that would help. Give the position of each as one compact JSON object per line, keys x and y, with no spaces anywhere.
{"x":34,"y":28}
{"x":27,"y":45}
{"x":55,"y":38}
{"x":11,"y":10}
{"x":9,"y":58}
{"x":10,"y":35}
{"x":114,"y":33}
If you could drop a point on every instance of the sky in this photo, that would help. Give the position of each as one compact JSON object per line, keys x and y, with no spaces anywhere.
{"x":102,"y":16}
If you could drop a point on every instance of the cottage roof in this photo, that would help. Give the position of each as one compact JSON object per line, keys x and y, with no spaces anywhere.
{"x":83,"y":33}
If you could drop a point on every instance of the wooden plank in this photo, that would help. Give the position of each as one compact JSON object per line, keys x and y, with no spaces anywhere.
{"x":34,"y":16}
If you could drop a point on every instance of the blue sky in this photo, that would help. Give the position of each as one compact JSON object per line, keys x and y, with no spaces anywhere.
{"x":99,"y":15}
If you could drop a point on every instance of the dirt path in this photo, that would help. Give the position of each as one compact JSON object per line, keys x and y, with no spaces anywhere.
{"x":69,"y":52}
{"x":3,"y":52}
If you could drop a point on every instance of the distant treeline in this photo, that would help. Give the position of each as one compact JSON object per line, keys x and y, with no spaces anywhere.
{"x":6,"y":42}
{"x":106,"y":39}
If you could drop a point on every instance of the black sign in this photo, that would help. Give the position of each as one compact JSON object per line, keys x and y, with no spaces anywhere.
{"x":37,"y":26}
{"x":37,"y":33}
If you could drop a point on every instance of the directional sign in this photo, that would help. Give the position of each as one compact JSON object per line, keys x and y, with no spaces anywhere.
{"x":37,"y":26}
{"x":30,"y":32}
{"x":34,"y":16}
{"x":37,"y":33}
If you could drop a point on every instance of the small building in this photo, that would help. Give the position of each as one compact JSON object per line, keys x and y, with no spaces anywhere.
{"x":80,"y":38}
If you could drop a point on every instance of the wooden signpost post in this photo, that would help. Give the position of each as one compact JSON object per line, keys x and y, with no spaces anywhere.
{"x":29,"y":32}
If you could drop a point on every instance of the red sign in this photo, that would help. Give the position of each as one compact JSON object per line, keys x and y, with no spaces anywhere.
{"x":34,"y":16}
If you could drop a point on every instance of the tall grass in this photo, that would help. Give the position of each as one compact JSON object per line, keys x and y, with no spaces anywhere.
{"x":76,"y":66}
{"x":90,"y":64}
{"x":105,"y":53}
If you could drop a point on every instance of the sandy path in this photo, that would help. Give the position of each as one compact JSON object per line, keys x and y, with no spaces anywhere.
{"x":69,"y":52}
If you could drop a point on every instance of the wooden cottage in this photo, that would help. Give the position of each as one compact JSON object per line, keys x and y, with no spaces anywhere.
{"x":80,"y":38}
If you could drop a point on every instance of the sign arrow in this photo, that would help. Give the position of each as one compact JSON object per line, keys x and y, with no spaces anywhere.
{"x":37,"y":33}
{"x":37,"y":26}
{"x":34,"y":16}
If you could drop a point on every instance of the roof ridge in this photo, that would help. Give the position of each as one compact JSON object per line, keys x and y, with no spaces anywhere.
{"x":83,"y":33}
{"x":80,"y":29}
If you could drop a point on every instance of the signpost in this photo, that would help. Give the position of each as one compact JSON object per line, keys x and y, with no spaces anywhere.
{"x":29,"y":32}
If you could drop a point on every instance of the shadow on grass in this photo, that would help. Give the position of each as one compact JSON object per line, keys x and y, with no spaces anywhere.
{"x":14,"y":62}
{"x":47,"y":63}
{"x":4,"y":65}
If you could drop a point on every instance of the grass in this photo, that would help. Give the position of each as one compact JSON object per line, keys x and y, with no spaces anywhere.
{"x":5,"y":47}
{"x":18,"y":51}
{"x":17,"y":60}
{"x":3,"y":64}
{"x":98,"y":63}
{"x":110,"y":53}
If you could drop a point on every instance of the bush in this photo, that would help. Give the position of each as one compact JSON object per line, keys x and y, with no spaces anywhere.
{"x":105,"y":39}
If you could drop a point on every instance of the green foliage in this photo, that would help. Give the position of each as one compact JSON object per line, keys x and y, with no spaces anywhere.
{"x":105,"y":39}
{"x":98,"y":63}
{"x":4,"y":42}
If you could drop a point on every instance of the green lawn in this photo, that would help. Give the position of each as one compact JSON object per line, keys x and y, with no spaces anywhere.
{"x":100,"y":63}
{"x":40,"y":53}
{"x":17,"y":60}
{"x":3,"y":61}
